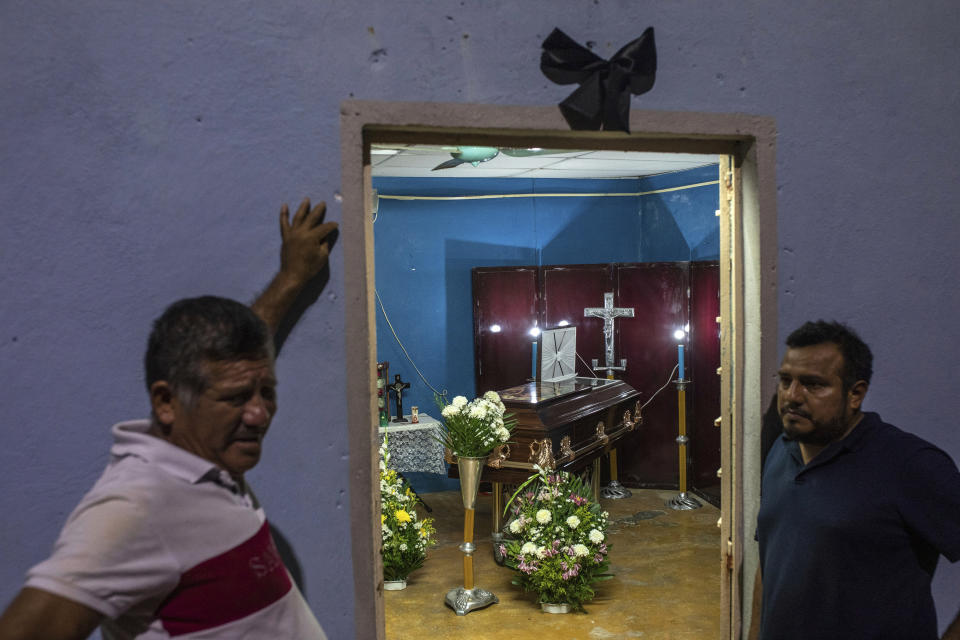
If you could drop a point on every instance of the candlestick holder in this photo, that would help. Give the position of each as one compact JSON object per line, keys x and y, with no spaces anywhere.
{"x":465,"y":599}
{"x":614,"y":490}
{"x":682,"y":501}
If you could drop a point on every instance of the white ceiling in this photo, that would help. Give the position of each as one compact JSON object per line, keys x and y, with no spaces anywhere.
{"x":410,"y":161}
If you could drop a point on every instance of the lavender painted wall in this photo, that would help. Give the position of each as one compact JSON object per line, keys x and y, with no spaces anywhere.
{"x":145,"y":148}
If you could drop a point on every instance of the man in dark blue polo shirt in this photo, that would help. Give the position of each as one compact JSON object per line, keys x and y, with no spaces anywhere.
{"x":854,"y":512}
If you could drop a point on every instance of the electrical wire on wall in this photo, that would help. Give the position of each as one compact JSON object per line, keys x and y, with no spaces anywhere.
{"x":442,"y":394}
{"x":669,"y":380}
{"x":592,"y":372}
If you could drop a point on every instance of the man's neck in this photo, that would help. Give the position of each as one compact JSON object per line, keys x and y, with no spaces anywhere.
{"x":809,"y":451}
{"x":156,"y":430}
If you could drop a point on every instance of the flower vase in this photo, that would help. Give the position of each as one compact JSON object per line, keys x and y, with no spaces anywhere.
{"x":552,"y":607}
{"x":470,"y":471}
{"x":465,"y":599}
{"x":394,"y":585}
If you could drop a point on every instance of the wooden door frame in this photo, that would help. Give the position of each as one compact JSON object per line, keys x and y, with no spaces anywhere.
{"x":748,"y":280}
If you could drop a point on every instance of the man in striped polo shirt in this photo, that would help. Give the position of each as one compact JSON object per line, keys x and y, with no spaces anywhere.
{"x":171,"y":542}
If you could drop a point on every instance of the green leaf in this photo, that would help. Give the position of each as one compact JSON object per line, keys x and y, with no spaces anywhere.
{"x":517,"y":492}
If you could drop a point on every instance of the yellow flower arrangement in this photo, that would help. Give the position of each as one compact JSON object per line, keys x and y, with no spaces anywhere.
{"x":405,"y":537}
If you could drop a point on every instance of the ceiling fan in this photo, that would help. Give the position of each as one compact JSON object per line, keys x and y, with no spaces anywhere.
{"x":476,"y":155}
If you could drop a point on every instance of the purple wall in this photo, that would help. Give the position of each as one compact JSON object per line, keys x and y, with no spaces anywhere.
{"x":145,"y":149}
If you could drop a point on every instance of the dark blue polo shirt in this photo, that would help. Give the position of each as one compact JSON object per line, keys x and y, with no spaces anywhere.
{"x":849,"y":543}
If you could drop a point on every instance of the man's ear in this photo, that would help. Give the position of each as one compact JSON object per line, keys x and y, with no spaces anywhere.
{"x":164,"y":403}
{"x":856,"y":394}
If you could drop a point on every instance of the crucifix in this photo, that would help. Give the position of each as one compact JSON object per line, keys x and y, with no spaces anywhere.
{"x":397,"y":387}
{"x":614,"y":490}
{"x":608,"y":312}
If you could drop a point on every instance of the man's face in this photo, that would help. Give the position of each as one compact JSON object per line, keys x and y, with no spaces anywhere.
{"x":813,"y":405}
{"x":226,"y":423}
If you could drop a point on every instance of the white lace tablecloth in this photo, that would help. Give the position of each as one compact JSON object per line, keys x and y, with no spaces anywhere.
{"x":412,"y":447}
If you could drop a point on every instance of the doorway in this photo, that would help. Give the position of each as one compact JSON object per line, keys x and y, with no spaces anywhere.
{"x":748,"y":294}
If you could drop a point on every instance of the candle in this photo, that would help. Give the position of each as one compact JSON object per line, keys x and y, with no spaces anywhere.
{"x":680,"y":365}
{"x":534,"y":361}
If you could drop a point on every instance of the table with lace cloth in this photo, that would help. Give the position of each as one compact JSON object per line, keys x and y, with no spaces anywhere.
{"x":412,"y":446}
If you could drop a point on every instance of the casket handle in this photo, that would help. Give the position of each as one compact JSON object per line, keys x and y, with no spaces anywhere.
{"x":541,"y":454}
{"x":501,"y":453}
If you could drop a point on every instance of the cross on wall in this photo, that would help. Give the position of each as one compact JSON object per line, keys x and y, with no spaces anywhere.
{"x":608,"y":312}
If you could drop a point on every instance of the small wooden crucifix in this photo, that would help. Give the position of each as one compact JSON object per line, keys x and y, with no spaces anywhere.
{"x":397,"y":387}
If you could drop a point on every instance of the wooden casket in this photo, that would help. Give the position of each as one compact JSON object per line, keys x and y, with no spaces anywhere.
{"x":561,"y":425}
{"x":565,"y":425}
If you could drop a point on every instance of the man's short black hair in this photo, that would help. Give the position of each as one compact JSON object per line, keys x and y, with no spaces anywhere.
{"x":195,"y":331}
{"x":857,"y":358}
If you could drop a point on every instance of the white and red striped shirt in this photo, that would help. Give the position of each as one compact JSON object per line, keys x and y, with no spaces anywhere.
{"x":166,"y":545}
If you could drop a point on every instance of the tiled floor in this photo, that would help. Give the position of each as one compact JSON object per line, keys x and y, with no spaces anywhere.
{"x":667,"y":582}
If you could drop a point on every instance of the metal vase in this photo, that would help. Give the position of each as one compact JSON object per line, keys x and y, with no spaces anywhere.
{"x":470,"y":470}
{"x":465,"y":599}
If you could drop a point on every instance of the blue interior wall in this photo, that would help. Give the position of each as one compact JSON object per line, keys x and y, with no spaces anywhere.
{"x":425,"y":250}
{"x":680,"y":225}
{"x":587,"y":230}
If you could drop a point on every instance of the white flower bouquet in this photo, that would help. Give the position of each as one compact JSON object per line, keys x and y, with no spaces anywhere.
{"x":405,"y":537}
{"x":472,"y":429}
{"x":559,"y":547}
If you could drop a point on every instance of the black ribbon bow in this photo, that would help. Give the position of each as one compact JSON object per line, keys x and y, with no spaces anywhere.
{"x":603,"y":99}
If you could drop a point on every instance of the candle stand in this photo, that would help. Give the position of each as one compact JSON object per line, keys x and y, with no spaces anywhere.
{"x":683,"y":502}
{"x":614,"y":490}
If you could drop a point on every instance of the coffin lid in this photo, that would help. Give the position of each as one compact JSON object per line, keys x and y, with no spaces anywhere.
{"x":557,"y":403}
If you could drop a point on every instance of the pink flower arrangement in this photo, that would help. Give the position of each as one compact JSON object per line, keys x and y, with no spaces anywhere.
{"x":559,"y":548}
